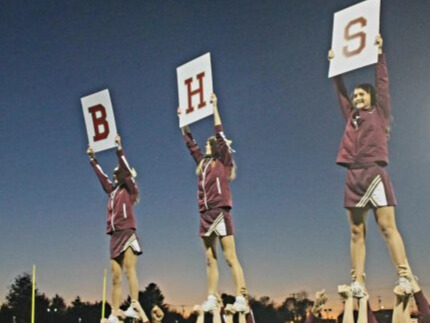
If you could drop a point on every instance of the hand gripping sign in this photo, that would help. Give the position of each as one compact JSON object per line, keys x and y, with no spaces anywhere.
{"x":99,"y":120}
{"x":354,"y":33}
{"x":195,"y":88}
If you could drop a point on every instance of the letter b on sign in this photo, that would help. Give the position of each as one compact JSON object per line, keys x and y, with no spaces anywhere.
{"x":99,"y":120}
{"x":100,"y":124}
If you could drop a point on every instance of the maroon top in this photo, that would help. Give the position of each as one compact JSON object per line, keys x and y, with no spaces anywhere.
{"x":371,"y":318}
{"x":423,"y":307}
{"x":367,"y":142}
{"x":213,"y":183}
{"x":311,"y":318}
{"x":120,"y":212}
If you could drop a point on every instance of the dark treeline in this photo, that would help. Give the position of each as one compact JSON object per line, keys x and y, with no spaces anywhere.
{"x":17,"y":307}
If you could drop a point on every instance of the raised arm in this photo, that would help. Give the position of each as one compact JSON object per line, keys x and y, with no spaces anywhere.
{"x":103,"y":178}
{"x":348,"y":311}
{"x":217,"y":117}
{"x":341,"y":91}
{"x":371,"y":318}
{"x":363,"y":313}
{"x":190,"y":142}
{"x":222,"y":142}
{"x":157,"y":314}
{"x":320,"y":300}
{"x":127,"y":172}
{"x":382,"y":84}
{"x":420,"y":299}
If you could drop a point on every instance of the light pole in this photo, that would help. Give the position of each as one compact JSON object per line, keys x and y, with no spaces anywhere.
{"x":381,"y":307}
{"x":327,"y":313}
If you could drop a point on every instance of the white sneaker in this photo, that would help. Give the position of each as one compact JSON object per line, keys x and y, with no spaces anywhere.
{"x":239,"y":304}
{"x":357,"y":289}
{"x":210,"y":304}
{"x":113,"y":319}
{"x":130,"y":312}
{"x":404,"y":283}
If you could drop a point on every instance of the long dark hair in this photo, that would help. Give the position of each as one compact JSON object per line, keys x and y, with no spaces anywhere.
{"x":215,"y":155}
{"x":120,"y":174}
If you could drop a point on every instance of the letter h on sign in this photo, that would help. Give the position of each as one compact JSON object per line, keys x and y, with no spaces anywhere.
{"x":199,"y":91}
{"x":194,"y":89}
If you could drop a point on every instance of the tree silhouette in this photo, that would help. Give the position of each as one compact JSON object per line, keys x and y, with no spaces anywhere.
{"x":6,"y":314}
{"x":148,"y":298}
{"x":17,"y":308}
{"x":19,"y":298}
{"x":264,"y":310}
{"x":56,"y":309}
{"x":83,"y":312}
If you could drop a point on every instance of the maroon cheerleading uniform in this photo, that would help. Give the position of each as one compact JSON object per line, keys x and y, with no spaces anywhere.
{"x":364,"y":145}
{"x":213,"y":193}
{"x":423,"y":307}
{"x":371,"y":318}
{"x":311,"y":318}
{"x":120,"y":219}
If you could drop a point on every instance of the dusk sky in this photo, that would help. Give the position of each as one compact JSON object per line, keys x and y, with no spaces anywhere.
{"x":269,"y":64}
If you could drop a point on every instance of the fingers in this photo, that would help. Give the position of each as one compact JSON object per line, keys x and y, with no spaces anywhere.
{"x":213,"y":99}
{"x":321,"y":297}
{"x":344,"y":291}
{"x":157,"y":313}
{"x":118,"y":139}
{"x":90,"y":152}
{"x":330,"y":54}
{"x":378,"y":40}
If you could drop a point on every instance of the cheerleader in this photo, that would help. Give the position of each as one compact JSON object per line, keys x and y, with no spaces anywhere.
{"x":121,"y":226}
{"x":215,"y":170}
{"x":364,"y":152}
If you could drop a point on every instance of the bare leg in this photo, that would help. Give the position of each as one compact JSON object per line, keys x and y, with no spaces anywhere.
{"x":116,"y":265}
{"x":129,"y":264}
{"x":229,"y":249}
{"x":357,"y":220}
{"x":385,"y":217}
{"x":211,"y":264}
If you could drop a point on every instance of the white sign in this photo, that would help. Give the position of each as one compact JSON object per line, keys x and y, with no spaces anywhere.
{"x":354,"y":34}
{"x":99,"y":120}
{"x":195,"y":88}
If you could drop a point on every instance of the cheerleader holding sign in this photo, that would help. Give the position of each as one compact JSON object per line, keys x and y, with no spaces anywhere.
{"x":121,"y":226}
{"x":364,"y":152}
{"x":215,"y":170}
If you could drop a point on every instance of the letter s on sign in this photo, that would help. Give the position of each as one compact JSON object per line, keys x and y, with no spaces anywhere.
{"x":348,"y":36}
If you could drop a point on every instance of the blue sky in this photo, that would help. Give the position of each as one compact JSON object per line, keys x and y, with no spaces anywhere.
{"x":270,"y":75}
